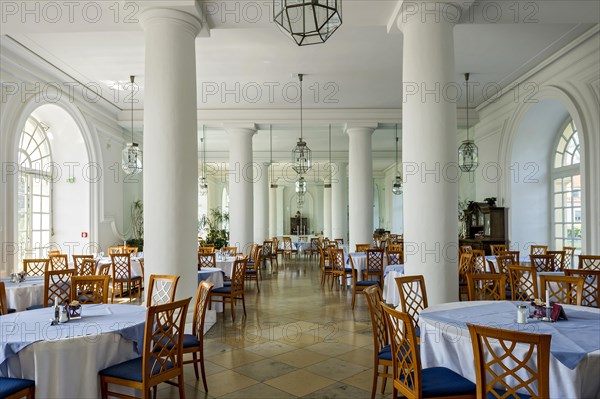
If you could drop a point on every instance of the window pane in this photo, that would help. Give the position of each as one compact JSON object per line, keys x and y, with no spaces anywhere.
{"x":558,"y":230}
{"x":46,"y":221}
{"x":567,"y":184}
{"x":557,"y":185}
{"x":558,"y":215}
{"x":577,"y":182}
{"x":558,"y":243}
{"x":558,"y":202}
{"x":577,"y":214}
{"x":45,"y":204}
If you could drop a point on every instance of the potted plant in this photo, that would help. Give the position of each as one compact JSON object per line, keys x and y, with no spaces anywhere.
{"x":491,"y":201}
{"x":215,"y":228}
{"x":137,"y":225}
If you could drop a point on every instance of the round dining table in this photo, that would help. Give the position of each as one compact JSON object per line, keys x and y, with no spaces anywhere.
{"x":27,"y":293}
{"x":574,"y":350}
{"x":64,"y":359}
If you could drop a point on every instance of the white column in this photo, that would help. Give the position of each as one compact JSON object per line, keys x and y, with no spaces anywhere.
{"x":429,"y":149}
{"x":171,"y":147}
{"x":339,"y":202}
{"x":261,"y":203}
{"x":327,"y":212}
{"x":360,"y":184}
{"x":241,"y":176}
{"x":280,"y":210}
{"x":272,"y":211}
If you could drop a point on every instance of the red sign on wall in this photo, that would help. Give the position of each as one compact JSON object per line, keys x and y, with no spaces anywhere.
{"x":84,"y":235}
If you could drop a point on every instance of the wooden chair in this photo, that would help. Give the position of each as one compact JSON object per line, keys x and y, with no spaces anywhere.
{"x":121,"y":276}
{"x":86,"y":267}
{"x":502,"y":263}
{"x":339,"y":242}
{"x":4,"y":309}
{"x":381,"y":344}
{"x":516,"y":256}
{"x":133,"y":251}
{"x":269,"y":253}
{"x":207,"y":259}
{"x":57,"y":284}
{"x":591,"y":286}
{"x":78,"y":259}
{"x":36,"y":267}
{"x":498,"y":247}
{"x":395,"y":257}
{"x":104,"y":270}
{"x":288,"y":248}
{"x":465,"y":249}
{"x":194,"y":343}
{"x":59,"y":262}
{"x":253,"y":247}
{"x":538,"y":249}
{"x":161,"y":289}
{"x":252,"y":271}
{"x":52,"y":252}
{"x":206,"y":250}
{"x":16,"y":388}
{"x":326,"y":269}
{"x":478,"y":261}
{"x":559,"y":260}
{"x":394,"y":247}
{"x":233,"y":292}
{"x":362,"y":247}
{"x":589,"y":262}
{"x":486,"y":287}
{"x":569,"y":256}
{"x":230,"y":251}
{"x":413,"y":298}
{"x":339,"y":271}
{"x":162,"y":355}
{"x":89,"y":289}
{"x":374,"y":269}
{"x":409,"y":378}
{"x":563,"y":289}
{"x":523,"y":283}
{"x":512,"y":360}
{"x":115,"y":250}
{"x":314,"y":247}
{"x":543,"y":263}
{"x":465,"y":264}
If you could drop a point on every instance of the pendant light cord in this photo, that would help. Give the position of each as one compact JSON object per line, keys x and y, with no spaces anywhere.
{"x":467,"y":84}
{"x":271,"y":151}
{"x":132,"y":78}
{"x":301,"y":127}
{"x":330,"y":168}
{"x":203,"y":153}
{"x":396,"y":149}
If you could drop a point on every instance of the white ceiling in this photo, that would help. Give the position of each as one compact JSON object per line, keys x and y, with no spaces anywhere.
{"x":360,"y":67}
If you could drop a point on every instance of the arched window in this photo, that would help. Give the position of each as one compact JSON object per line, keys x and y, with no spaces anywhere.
{"x":225,"y":207}
{"x":566,"y":187}
{"x":35,"y":190}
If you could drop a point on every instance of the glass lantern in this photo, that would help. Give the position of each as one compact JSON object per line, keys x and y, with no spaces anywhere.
{"x":131,"y":160}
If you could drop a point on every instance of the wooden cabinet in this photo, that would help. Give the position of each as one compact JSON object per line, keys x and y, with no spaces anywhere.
{"x":485,"y":225}
{"x":298,"y":226}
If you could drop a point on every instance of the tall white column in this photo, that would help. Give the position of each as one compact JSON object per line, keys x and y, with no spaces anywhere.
{"x":272,"y":211}
{"x":171,"y":147}
{"x":261,"y":203}
{"x":429,"y":155}
{"x":280,"y":210}
{"x":241,"y":176}
{"x":327,"y":212}
{"x":339,"y":202}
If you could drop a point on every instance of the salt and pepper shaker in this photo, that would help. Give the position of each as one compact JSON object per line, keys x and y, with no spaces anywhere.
{"x":64,"y":315}
{"x":522,"y":314}
{"x":548,"y":307}
{"x":56,"y":310}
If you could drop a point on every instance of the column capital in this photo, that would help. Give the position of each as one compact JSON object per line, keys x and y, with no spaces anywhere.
{"x":160,"y":16}
{"x":426,"y":12}
{"x":368,"y":127}
{"x":248,"y":128}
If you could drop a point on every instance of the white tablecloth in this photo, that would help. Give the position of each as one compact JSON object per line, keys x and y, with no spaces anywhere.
{"x":226,"y":265}
{"x":215,"y":276}
{"x":448,"y":344}
{"x":64,"y":360}
{"x":20,"y":296}
{"x":390,"y":288}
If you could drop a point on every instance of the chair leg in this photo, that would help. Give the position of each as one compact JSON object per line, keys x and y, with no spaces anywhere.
{"x":244,"y":305}
{"x":232,"y":310}
{"x":103,"y":388}
{"x":353,"y":298}
{"x":181,"y":386}
{"x":202,"y":369}
{"x":195,"y":357}
{"x":385,"y":371}
{"x":375,"y":375}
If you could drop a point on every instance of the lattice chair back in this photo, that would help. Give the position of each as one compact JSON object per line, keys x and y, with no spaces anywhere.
{"x":104,"y":270}
{"x":59,"y":262}
{"x":339,"y":242}
{"x":336,"y":259}
{"x":237,"y":277}
{"x":538,"y":249}
{"x":121,"y":266}
{"x":413,"y":295}
{"x":362,"y":247}
{"x":465,"y":249}
{"x":207,"y":259}
{"x":591,"y":286}
{"x":486,"y":287}
{"x":267,"y":248}
{"x":36,"y":267}
{"x":495,"y":248}
{"x":87,"y":267}
{"x":512,"y":360}
{"x":563,"y":289}
{"x":405,"y":356}
{"x":374,"y":264}
{"x":57,"y":283}
{"x":478,"y":261}
{"x":543,"y":263}
{"x":78,"y":260}
{"x":559,"y":259}
{"x":90,"y":289}
{"x":163,"y":341}
{"x":569,"y":256}
{"x":503,"y":261}
{"x":523,"y":282}
{"x":206,"y":250}
{"x":161,"y":289}
{"x":314,"y":245}
{"x":3,"y":301}
{"x":230,"y":251}
{"x":465,"y":266}
{"x":514,"y":254}
{"x":395,"y":257}
{"x":380,"y":333}
{"x":202,"y":300}
{"x":589,"y":262}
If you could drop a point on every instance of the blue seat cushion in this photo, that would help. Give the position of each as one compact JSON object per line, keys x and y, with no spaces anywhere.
{"x":10,"y":386}
{"x":190,"y":340}
{"x":250,"y":271}
{"x":501,"y":392}
{"x":222,"y":290}
{"x":328,"y":268}
{"x":10,"y":310}
{"x":385,"y":353}
{"x":130,"y":370}
{"x":34,"y":307}
{"x":348,"y":270}
{"x":366,"y":283}
{"x":226,"y":284}
{"x":462,"y":284}
{"x":440,"y":381}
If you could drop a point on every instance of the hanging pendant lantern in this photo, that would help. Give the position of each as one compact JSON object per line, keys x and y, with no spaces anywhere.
{"x":202,"y":181}
{"x":131,"y":156}
{"x":308,"y":21}
{"x":468,"y":153}
{"x":397,"y":187}
{"x":301,"y":154}
{"x":301,"y":185}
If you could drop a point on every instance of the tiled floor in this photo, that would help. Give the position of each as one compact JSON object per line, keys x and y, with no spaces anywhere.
{"x":298,"y":341}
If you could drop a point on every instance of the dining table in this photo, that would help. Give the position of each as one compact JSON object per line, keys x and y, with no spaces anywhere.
{"x":574,"y":350}
{"x":24,"y":294}
{"x":390,"y":288}
{"x":136,"y":267}
{"x":225,"y":263}
{"x":64,"y":359}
